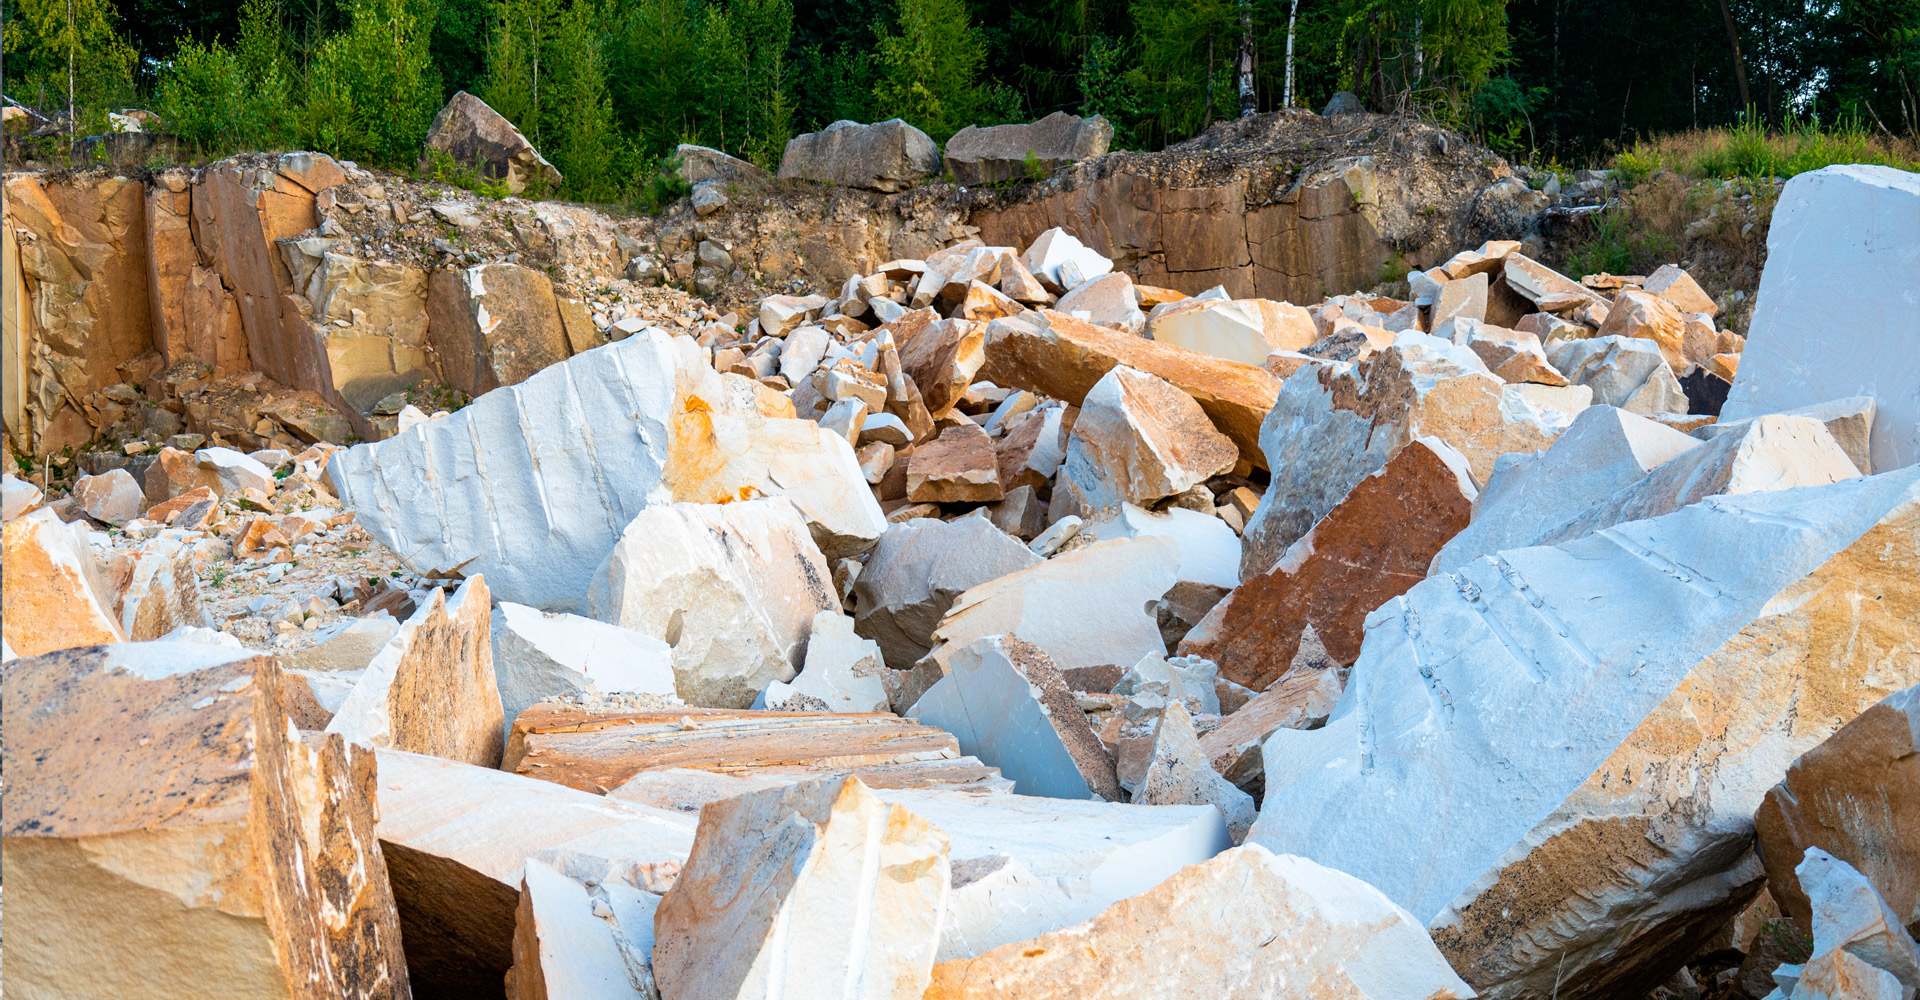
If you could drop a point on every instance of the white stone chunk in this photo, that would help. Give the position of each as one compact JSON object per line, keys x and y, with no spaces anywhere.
{"x":1849,"y":420}
{"x":237,"y":471}
{"x":843,"y":672}
{"x":1209,"y":550}
{"x":17,"y":497}
{"x":1627,"y":372}
{"x":1056,"y":247}
{"x":348,"y":644}
{"x":575,"y":943}
{"x":1180,"y":775}
{"x":801,"y":352}
{"x":537,"y":655}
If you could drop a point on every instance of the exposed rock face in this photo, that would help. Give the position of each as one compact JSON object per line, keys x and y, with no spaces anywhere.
{"x":917,"y":572}
{"x":56,"y":596}
{"x":431,"y":688}
{"x":1204,"y":933}
{"x":245,"y":857}
{"x":494,"y":325}
{"x":1336,"y":423}
{"x":474,"y":135}
{"x":732,"y":588}
{"x":885,"y":156}
{"x":1761,"y":624}
{"x":978,"y":155}
{"x":1856,"y":797}
{"x":821,"y":884}
{"x":1373,"y":546}
{"x":369,"y":318}
{"x":1843,"y":231}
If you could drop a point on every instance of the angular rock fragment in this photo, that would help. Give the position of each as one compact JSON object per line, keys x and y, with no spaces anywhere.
{"x":1138,"y":439}
{"x":1856,"y":797}
{"x":1107,"y":300}
{"x":1841,"y":234}
{"x":940,"y":355}
{"x":1034,"y":446}
{"x":1084,"y":608}
{"x":1636,"y":313}
{"x":1010,"y":152}
{"x":1057,"y":248}
{"x":1757,"y":625}
{"x":494,"y":325}
{"x":918,"y":571}
{"x":957,"y":466}
{"x":55,"y":594}
{"x":20,"y":497}
{"x":1246,"y":330}
{"x":1673,"y":283}
{"x":1209,"y":552}
{"x":1207,"y":932}
{"x":1008,"y":705}
{"x":820,"y":884}
{"x":111,"y":497}
{"x":537,"y":655}
{"x":166,"y":834}
{"x":1511,"y":355}
{"x":156,"y":590}
{"x":1371,"y":547}
{"x":572,"y":942}
{"x":843,"y":671}
{"x":1180,"y":775}
{"x":431,"y":688}
{"x":1859,"y":948}
{"x":884,"y":156}
{"x":347,"y":645}
{"x":1627,"y":372}
{"x":1302,"y":698}
{"x":474,"y":135}
{"x":457,"y":840}
{"x":732,"y":588}
{"x":1849,"y":420}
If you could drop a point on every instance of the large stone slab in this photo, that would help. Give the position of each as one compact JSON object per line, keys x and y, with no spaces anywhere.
{"x":884,"y":156}
{"x":1849,"y":420}
{"x":1839,"y":234}
{"x":1633,"y":696}
{"x":539,"y":655}
{"x":532,"y":484}
{"x":1053,"y":354}
{"x":1336,"y":424}
{"x":916,"y":573}
{"x":1137,"y":439}
{"x":978,"y":155}
{"x":843,"y":672}
{"x":818,"y":889}
{"x":167,"y":835}
{"x":431,"y":688}
{"x":1627,"y":372}
{"x":1007,"y":704}
{"x":1606,"y":449}
{"x":732,"y":588}
{"x":1373,"y":546}
{"x":56,"y":595}
{"x":1207,"y":932}
{"x":1857,"y":797}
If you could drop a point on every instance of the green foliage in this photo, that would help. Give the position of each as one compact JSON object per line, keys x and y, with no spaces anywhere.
{"x":58,"y":51}
{"x":929,"y":71}
{"x":1605,"y":250}
{"x":704,"y":72}
{"x":442,"y":169}
{"x":372,"y":90}
{"x":1184,"y":71}
{"x":662,"y":185}
{"x":216,"y":97}
{"x":1105,"y":91}
{"x":1752,"y":150}
{"x":1502,"y":114}
{"x":548,"y":77}
{"x":1032,"y":167}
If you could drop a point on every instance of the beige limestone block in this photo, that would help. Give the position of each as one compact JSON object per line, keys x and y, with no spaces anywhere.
{"x":56,"y":595}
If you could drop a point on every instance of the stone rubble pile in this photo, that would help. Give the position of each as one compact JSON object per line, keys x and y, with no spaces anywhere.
{"x":1000,"y":627}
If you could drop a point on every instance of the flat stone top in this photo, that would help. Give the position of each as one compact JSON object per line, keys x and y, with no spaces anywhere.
{"x":1058,"y":136}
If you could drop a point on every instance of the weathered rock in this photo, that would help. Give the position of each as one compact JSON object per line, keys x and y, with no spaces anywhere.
{"x":1375,"y":544}
{"x":1636,"y":313}
{"x":474,"y":135}
{"x":1849,"y":420}
{"x":821,"y":884}
{"x":1246,"y":330}
{"x":780,"y":314}
{"x":1084,"y":608}
{"x":1302,"y":698}
{"x":1549,"y":290}
{"x":494,"y":325}
{"x":1107,"y":300}
{"x":1008,"y":705}
{"x":537,"y":655}
{"x":1673,"y":283}
{"x":532,"y":484}
{"x":1859,"y":948}
{"x":1856,"y":797}
{"x":843,"y":671}
{"x":111,"y":497}
{"x":55,"y":593}
{"x":1156,"y":682}
{"x":1022,"y":514}
{"x":1180,"y":775}
{"x":941,"y":356}
{"x":1336,"y":424}
{"x":1758,"y":625}
{"x":1138,"y":439}
{"x":885,"y":156}
{"x":1842,"y":233}
{"x":978,"y":155}
{"x":1626,"y":372}
{"x":431,"y":688}
{"x":1511,"y":355}
{"x":347,"y":645}
{"x":1205,"y":932}
{"x":1056,"y":248}
{"x":918,"y":571}
{"x":958,"y":465}
{"x":457,"y":840}
{"x":1604,"y":450}
{"x":226,"y":471}
{"x":571,"y":941}
{"x":733,"y":588}
{"x":704,"y":163}
{"x":372,"y":319}
{"x":156,"y":590}
{"x":1035,"y":445}
{"x":244,"y":859}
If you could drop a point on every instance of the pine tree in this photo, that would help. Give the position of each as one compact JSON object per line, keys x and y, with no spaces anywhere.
{"x":930,"y":70}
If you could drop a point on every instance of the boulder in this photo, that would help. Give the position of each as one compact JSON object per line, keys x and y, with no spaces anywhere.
{"x":1302,"y":698}
{"x":1008,"y":705}
{"x":1056,"y":355}
{"x":347,"y":645}
{"x":1636,"y":313}
{"x":1034,"y":446}
{"x":1084,"y":608}
{"x":1548,"y":290}
{"x":1849,"y":420}
{"x":1107,"y":300}
{"x":431,"y":688}
{"x":1209,"y":550}
{"x":1859,"y":948}
{"x":1839,"y":234}
{"x":1856,"y":797}
{"x":1180,"y":775}
{"x":843,"y":671}
{"x":957,"y":466}
{"x":457,"y":841}
{"x":940,"y":355}
{"x":1673,"y":283}
{"x":228,"y":471}
{"x":998,"y":153}
{"x":156,"y":589}
{"x":732,"y":588}
{"x":885,"y":156}
{"x":572,"y":942}
{"x":1627,"y":372}
{"x":1205,"y":932}
{"x":699,"y":164}
{"x":494,"y":325}
{"x":55,"y":593}
{"x":474,"y":135}
{"x":532,"y":484}
{"x":1603,"y":451}
{"x":1633,"y":696}
{"x":820,"y":885}
{"x":1244,"y":330}
{"x":920,"y":568}
{"x":20,"y":497}
{"x":537,"y":655}
{"x":1335,"y":424}
{"x":1138,"y":439}
{"x":1375,"y":544}
{"x":1511,"y":355}
{"x":1056,"y":248}
{"x":158,"y":786}
{"x":113,"y":497}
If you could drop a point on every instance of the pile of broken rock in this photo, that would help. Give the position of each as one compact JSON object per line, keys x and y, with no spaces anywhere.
{"x":1001,"y":627}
